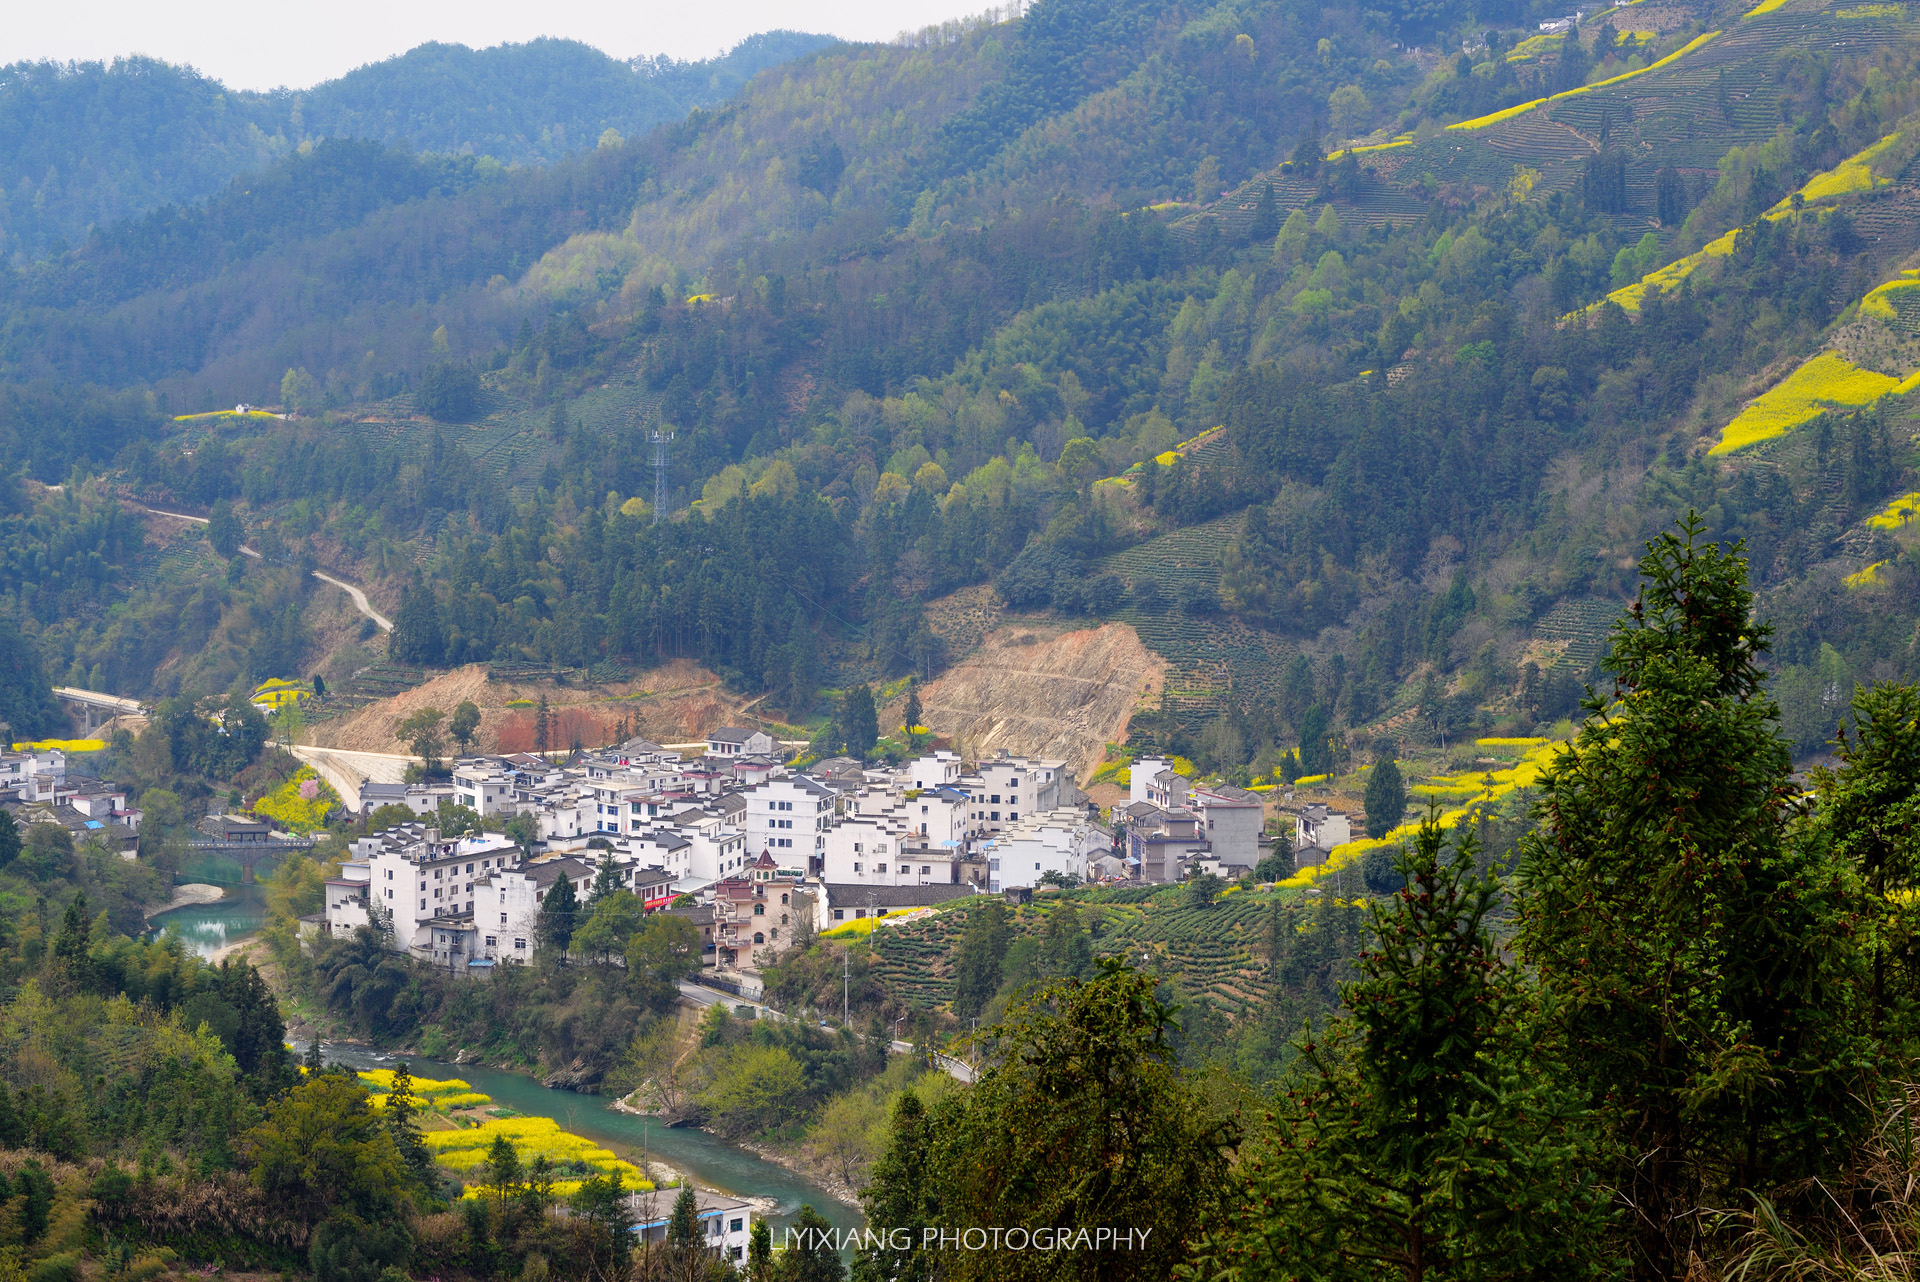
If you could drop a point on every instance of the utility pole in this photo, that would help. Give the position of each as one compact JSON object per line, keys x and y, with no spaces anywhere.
{"x":660,"y":440}
{"x":846,"y":984}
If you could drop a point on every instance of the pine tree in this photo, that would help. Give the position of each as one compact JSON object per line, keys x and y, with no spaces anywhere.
{"x":1266,"y":216}
{"x":983,"y":946}
{"x":558,"y":909}
{"x":683,"y":1230}
{"x":1698,"y":954}
{"x":543,"y":726}
{"x":760,"y":1252}
{"x":417,"y":633}
{"x":605,"y":881}
{"x":1869,"y":818}
{"x":401,"y":1115}
{"x":857,"y":726}
{"x":1430,"y":1134}
{"x":503,"y":1168}
{"x":913,"y":711}
{"x":1386,"y":797}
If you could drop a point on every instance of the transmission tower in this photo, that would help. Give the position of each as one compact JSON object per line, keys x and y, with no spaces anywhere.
{"x":660,"y":439}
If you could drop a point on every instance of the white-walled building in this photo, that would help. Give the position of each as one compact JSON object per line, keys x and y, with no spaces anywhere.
{"x":1316,"y":832}
{"x":1140,"y":777}
{"x":738,"y":741}
{"x":788,"y":818}
{"x":939,"y":769}
{"x":1058,"y":841}
{"x":415,"y":875}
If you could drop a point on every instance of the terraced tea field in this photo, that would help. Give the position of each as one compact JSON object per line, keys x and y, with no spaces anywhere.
{"x":1217,"y":953}
{"x":1583,"y":623}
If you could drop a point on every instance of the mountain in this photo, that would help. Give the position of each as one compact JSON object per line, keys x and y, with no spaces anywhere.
{"x":1350,"y":376}
{"x":89,"y":144}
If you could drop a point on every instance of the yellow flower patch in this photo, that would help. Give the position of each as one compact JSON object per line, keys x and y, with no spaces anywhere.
{"x":1828,"y":381}
{"x":1869,"y":11}
{"x":1492,"y":785}
{"x":1865,"y":578}
{"x":1879,"y":301}
{"x":1765,"y":6}
{"x":1534,"y":46}
{"x":1852,"y":174}
{"x":1508,"y":743}
{"x":465,"y":1151}
{"x":291,"y":807}
{"x":61,"y":745}
{"x":1481,"y":122}
{"x":1897,"y":513}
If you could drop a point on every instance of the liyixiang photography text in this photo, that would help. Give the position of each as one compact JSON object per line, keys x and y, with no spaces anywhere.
{"x":994,"y":1238}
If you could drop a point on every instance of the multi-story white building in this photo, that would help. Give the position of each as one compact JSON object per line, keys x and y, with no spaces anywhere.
{"x":788,"y":818}
{"x":939,"y":769}
{"x":1057,"y":841}
{"x":1316,"y":832}
{"x":1007,"y":787}
{"x":416,"y":876}
{"x":506,"y":914}
{"x":1140,"y":777}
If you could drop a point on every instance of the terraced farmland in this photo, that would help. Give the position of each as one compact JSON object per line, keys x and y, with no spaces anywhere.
{"x":1217,"y":953}
{"x":1583,"y":623}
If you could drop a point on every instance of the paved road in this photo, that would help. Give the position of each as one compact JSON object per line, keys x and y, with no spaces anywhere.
{"x":344,"y":769}
{"x":360,"y":601}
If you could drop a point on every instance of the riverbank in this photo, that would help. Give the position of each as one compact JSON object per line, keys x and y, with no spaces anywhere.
{"x":697,"y":1156}
{"x":839,"y":1189}
{"x":798,"y":1164}
{"x":193,"y":894}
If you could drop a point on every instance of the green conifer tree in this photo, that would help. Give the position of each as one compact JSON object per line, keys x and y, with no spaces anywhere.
{"x":1386,"y":797}
{"x":1698,"y":955}
{"x":1429,"y":1135}
{"x":559,"y":908}
{"x":403,"y":1123}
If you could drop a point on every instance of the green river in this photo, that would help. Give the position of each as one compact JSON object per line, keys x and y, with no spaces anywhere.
{"x":707,"y":1160}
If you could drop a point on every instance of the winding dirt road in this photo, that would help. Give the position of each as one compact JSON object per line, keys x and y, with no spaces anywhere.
{"x":360,"y":601}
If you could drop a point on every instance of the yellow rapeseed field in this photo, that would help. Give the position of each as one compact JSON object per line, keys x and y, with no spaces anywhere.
{"x":1828,"y":381}
{"x":1897,"y":513}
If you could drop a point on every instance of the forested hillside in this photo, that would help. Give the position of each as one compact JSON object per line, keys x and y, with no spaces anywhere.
{"x":90,"y":144}
{"x":969,"y":308}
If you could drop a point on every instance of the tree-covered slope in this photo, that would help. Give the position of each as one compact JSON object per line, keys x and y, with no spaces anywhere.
{"x":89,"y":144}
{"x":971,"y":307}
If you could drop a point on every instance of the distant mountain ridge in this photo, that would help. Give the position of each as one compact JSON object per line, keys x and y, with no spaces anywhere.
{"x":85,"y":144}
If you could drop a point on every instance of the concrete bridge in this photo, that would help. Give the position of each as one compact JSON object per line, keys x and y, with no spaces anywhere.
{"x":97,"y":709}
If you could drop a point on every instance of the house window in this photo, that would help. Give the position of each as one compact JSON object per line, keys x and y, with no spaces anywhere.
{"x":839,"y":914}
{"x":733,"y":1226}
{"x":423,"y":903}
{"x":856,"y":865}
{"x":491,"y":941}
{"x":520,"y":943}
{"x":759,"y":910}
{"x":759,"y":938}
{"x":925,"y":869}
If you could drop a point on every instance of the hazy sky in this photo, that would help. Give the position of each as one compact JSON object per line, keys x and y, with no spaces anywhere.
{"x":260,"y":44}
